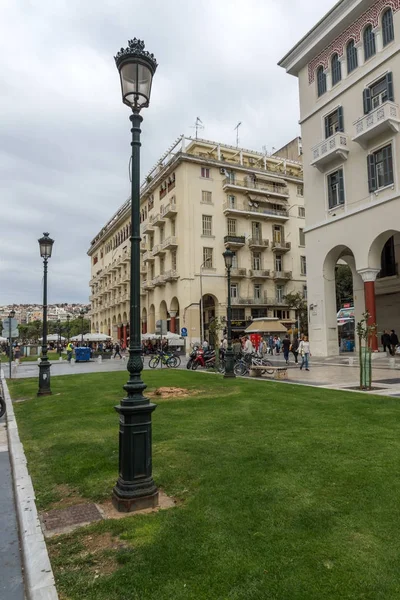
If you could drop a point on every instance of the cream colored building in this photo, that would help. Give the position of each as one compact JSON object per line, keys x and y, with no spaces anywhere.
{"x":199,"y":198}
{"x":348,"y":67}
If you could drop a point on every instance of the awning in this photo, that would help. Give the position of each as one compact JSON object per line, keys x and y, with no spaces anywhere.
{"x":266,"y":326}
{"x":256,"y":198}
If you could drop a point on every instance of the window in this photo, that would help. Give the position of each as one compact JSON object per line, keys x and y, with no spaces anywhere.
{"x":234,"y":261}
{"x":335,"y":189}
{"x":387,"y":27}
{"x":256,"y":230}
{"x":302,"y":237}
{"x":282,"y":314}
{"x":232,"y":226}
{"x":173,"y":260}
{"x":303,"y":265}
{"x":352,"y":57}
{"x":334,"y":122}
{"x":162,"y":265}
{"x":277,"y":233}
{"x":234,"y":290}
{"x":388,"y":260}
{"x":321,"y":81}
{"x":300,"y":190}
{"x":256,"y":261}
{"x":152,"y":272}
{"x":206,"y":197}
{"x":207,"y":225}
{"x":232,"y":201}
{"x":378,"y":93}
{"x":95,"y":260}
{"x":173,"y":227}
{"x":278,"y":263}
{"x":369,"y":42}
{"x":205,"y":172}
{"x":257,"y":291}
{"x":336,"y":69}
{"x":302,"y":212}
{"x":305,"y":292}
{"x":380,"y":168}
{"x":238,"y":314}
{"x":259,"y":313}
{"x":162,"y":230}
{"x":280,"y":293}
{"x":208,"y":258}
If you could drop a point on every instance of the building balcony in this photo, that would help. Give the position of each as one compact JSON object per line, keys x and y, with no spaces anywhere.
{"x":169,"y":210}
{"x":261,"y":212}
{"x":143,"y":269}
{"x":170,"y":243}
{"x":383,"y":119}
{"x":148,"y":227}
{"x":281,"y":246}
{"x":157,"y":220}
{"x":125,"y":277}
{"x":171,"y":275}
{"x":125,"y":257}
{"x":258,"y":243}
{"x":275,"y":302}
{"x":157,"y":250}
{"x":148,"y":256}
{"x":235,"y":273}
{"x":281,"y":275}
{"x":143,"y":292}
{"x":262,"y":188}
{"x":245,"y":301}
{"x":148,"y":284}
{"x":334,"y":147}
{"x":159,"y":280}
{"x":234,"y":241}
{"x":259,"y":273}
{"x":143,"y":247}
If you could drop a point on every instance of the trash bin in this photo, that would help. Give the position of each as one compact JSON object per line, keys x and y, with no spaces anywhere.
{"x":349,"y":346}
{"x":82,"y":354}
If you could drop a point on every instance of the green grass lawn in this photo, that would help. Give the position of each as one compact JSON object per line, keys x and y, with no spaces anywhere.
{"x":285,"y":492}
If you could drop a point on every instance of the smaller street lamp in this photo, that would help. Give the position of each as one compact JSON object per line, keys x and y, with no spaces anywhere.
{"x":229,"y":356}
{"x":59,"y":336}
{"x":82,"y":316}
{"x":11,"y":315}
{"x":46,"y":247}
{"x":68,"y":319}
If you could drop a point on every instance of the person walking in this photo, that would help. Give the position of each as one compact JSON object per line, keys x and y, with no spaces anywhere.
{"x":304,"y":349}
{"x":117,"y":351}
{"x":70,"y":350}
{"x":248,"y":346}
{"x":394,"y":341}
{"x":17,"y":354}
{"x":385,"y":341}
{"x":286,"y":348}
{"x":295,"y":349}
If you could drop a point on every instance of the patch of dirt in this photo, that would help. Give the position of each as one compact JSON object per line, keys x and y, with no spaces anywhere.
{"x":68,"y":497}
{"x":173,"y":392}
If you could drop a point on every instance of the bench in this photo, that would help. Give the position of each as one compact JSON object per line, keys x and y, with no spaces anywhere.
{"x":279,"y":372}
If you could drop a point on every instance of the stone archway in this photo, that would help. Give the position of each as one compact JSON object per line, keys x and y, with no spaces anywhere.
{"x":151,"y":321}
{"x":174,"y":325}
{"x":144,"y":320}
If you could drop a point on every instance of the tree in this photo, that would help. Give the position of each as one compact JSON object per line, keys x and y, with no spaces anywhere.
{"x":365,"y":333}
{"x":297,"y":302}
{"x":344,"y":286}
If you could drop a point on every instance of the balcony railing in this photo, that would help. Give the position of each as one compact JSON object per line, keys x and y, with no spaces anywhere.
{"x":384,"y":118}
{"x":159,"y":280}
{"x":259,"y":273}
{"x":235,"y":240}
{"x":259,"y":211}
{"x":261,"y":187}
{"x":281,"y":275}
{"x":143,"y":247}
{"x":258,"y":243}
{"x":169,"y":210}
{"x":157,"y":220}
{"x":248,"y":301}
{"x":330,"y":149}
{"x":235,"y":272}
{"x":148,"y":227}
{"x":170,"y":243}
{"x":157,"y":250}
{"x":281,"y":246}
{"x":148,"y":284}
{"x":171,"y":275}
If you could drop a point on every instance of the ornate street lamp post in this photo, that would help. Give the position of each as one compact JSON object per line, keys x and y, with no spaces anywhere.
{"x":229,"y":356}
{"x":135,"y":488}
{"x":82,"y":316}
{"x":46,"y":247}
{"x":59,"y":336}
{"x":68,"y":318}
{"x":11,"y":315}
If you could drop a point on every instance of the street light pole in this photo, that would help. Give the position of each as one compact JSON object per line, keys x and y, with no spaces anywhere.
{"x":68,"y":318}
{"x":10,"y":317}
{"x":229,"y":355}
{"x":135,"y":488}
{"x":46,"y":245}
{"x":82,"y":314}
{"x":59,"y":336}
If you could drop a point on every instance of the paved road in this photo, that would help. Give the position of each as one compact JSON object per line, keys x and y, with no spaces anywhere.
{"x":11,"y":579}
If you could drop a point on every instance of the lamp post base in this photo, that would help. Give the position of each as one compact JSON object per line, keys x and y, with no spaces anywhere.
{"x":44,"y":379}
{"x":229,"y":362}
{"x":130,"y":504}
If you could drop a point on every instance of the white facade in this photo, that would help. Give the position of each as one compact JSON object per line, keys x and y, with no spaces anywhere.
{"x":349,"y":83}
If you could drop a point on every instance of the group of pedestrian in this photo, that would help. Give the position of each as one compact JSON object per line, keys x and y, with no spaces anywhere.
{"x":390,"y":341}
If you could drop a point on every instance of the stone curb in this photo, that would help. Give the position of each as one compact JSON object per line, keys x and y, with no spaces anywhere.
{"x":39,"y":578}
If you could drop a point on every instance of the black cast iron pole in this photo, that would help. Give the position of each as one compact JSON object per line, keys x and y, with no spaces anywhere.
{"x":10,"y":343}
{"x":44,"y":365}
{"x":135,"y":488}
{"x":229,"y":356}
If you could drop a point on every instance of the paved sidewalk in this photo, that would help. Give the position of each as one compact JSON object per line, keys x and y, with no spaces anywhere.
{"x":11,"y":579}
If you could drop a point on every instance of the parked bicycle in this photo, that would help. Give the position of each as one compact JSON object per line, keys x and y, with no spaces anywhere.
{"x":244,"y":364}
{"x":169,"y":360}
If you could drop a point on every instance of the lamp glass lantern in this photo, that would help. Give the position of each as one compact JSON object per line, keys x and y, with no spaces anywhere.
{"x":46,"y":246}
{"x":12,"y":314}
{"x":136,"y":68}
{"x":228,"y":258}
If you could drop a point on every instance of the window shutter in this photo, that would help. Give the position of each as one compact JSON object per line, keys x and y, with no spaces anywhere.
{"x":388,"y":165}
{"x":326,"y":127}
{"x":367,"y":101}
{"x":371,"y":173}
{"x":389,"y":86}
{"x":341,"y":187}
{"x":340,"y":118}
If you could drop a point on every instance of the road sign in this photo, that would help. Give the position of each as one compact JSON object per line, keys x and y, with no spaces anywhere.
{"x":6,"y":333}
{"x":184,"y":332}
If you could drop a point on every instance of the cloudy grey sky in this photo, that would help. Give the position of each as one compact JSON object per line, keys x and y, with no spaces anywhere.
{"x":64,"y":133}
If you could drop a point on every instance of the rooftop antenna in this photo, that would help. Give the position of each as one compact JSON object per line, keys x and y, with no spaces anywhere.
{"x":237,"y":133}
{"x":198,"y":125}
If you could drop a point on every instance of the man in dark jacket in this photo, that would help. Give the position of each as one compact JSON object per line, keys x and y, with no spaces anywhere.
{"x":385,"y":341}
{"x":394,"y":341}
{"x":295,"y":349}
{"x":286,"y":348}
